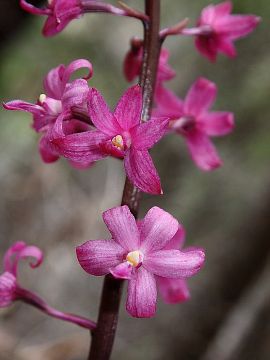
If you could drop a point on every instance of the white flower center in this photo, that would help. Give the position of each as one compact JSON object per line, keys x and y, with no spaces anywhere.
{"x":42,"y":98}
{"x":134,"y":258}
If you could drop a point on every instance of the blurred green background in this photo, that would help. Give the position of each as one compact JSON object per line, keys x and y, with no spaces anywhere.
{"x":56,"y":207}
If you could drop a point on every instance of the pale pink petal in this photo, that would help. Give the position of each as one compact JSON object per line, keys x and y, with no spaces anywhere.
{"x":122,"y":225}
{"x":53,"y":82}
{"x":101,"y":115}
{"x":213,"y":13}
{"x":202,"y":151}
{"x":217,"y":123}
{"x":129,"y":108}
{"x":122,"y":271}
{"x":237,"y":26}
{"x":145,"y":135}
{"x":178,"y":240}
{"x":142,"y":294}
{"x":222,"y":9}
{"x":157,"y":229}
{"x":174,"y":264}
{"x":173,"y":291}
{"x":200,"y":97}
{"x":168,"y":104}
{"x":141,"y":171}
{"x":7,"y":289}
{"x":98,"y":257}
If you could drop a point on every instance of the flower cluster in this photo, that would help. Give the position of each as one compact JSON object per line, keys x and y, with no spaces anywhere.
{"x":76,"y":123}
{"x":146,"y":254}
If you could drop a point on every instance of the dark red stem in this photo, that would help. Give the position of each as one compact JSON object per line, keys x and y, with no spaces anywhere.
{"x":104,"y":334}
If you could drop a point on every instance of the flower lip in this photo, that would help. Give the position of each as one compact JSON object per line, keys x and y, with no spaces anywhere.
{"x":184,"y":124}
{"x":134,"y":258}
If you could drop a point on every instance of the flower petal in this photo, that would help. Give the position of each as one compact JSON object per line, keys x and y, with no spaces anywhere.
{"x":122,"y":225}
{"x":200,"y":97}
{"x":53,"y":82}
{"x":76,"y":65}
{"x":217,"y":123}
{"x":207,"y":46}
{"x":75,"y":94}
{"x":157,"y":229}
{"x":122,"y":271}
{"x":168,"y":104}
{"x":142,"y":294}
{"x":7,"y":289}
{"x":237,"y":26}
{"x":145,"y":135}
{"x":33,"y":9}
{"x":101,"y":115}
{"x":129,"y":108}
{"x":141,"y":171}
{"x":98,"y":257}
{"x":47,"y":152}
{"x":174,"y":264}
{"x":178,"y":240}
{"x":24,"y":106}
{"x":21,"y":251}
{"x":172,"y":291}
{"x":203,"y":151}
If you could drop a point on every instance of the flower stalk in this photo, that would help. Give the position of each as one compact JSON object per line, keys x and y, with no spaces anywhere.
{"x":104,"y":334}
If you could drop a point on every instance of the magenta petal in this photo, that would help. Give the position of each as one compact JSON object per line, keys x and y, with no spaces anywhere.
{"x":237,"y":26}
{"x":173,"y":291}
{"x":75,"y":94}
{"x":33,"y":9}
{"x":142,"y":294}
{"x":52,"y":26}
{"x":47,"y":151}
{"x":226,"y":47}
{"x":141,"y":171}
{"x":122,"y":271}
{"x":7,"y":289}
{"x":200,"y":97}
{"x":76,"y":65}
{"x":98,"y":257}
{"x":174,"y":264}
{"x":177,"y":241}
{"x":101,"y":115}
{"x":129,"y":108}
{"x":207,"y":46}
{"x":24,"y":106}
{"x":217,"y":123}
{"x":157,"y":229}
{"x":145,"y":135}
{"x":21,"y":251}
{"x":203,"y":151}
{"x":168,"y":104}
{"x":122,"y":225}
{"x":53,"y":82}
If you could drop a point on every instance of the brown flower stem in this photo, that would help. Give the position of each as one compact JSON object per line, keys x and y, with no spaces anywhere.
{"x":104,"y":334}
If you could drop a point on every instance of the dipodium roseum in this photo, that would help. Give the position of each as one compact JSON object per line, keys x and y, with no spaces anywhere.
{"x":9,"y":288}
{"x":192,"y":119}
{"x":218,"y":29}
{"x":60,"y":96}
{"x":139,"y":255}
{"x":120,"y":134}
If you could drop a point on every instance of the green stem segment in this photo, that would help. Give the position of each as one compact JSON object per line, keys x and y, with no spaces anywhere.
{"x":104,"y":334}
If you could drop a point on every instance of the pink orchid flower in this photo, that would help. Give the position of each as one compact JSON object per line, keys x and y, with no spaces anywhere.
{"x":9,"y":288}
{"x":133,"y":63}
{"x":139,"y":255}
{"x":218,"y":29}
{"x":192,"y":119}
{"x":120,"y":134}
{"x":61,"y":12}
{"x":61,"y":95}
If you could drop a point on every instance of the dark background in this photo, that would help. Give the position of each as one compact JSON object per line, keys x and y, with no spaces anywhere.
{"x":56,"y":207}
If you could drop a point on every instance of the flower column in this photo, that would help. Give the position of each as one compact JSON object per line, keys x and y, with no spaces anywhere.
{"x":103,"y":336}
